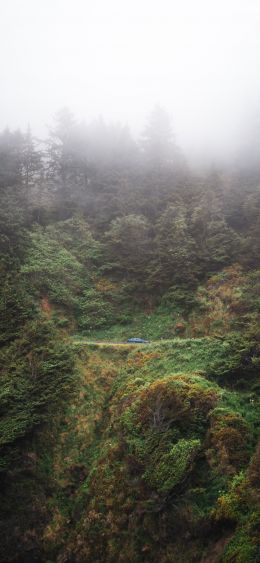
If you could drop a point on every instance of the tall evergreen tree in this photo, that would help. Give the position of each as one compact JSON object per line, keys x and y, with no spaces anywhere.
{"x":31,"y":162}
{"x":157,"y":139}
{"x":175,"y":252}
{"x":129,"y":246}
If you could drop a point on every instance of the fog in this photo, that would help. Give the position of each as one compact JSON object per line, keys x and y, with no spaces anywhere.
{"x":198,"y":59}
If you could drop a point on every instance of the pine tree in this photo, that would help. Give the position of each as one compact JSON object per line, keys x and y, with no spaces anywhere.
{"x":11,"y":146}
{"x":175,"y":257}
{"x":129,"y":246}
{"x":31,"y":162}
{"x":157,"y":139}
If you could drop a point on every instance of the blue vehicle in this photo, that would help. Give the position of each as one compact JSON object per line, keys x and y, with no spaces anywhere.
{"x":137,"y":341}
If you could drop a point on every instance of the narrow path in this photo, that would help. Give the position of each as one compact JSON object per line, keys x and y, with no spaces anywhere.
{"x":110,"y":343}
{"x":115,"y":343}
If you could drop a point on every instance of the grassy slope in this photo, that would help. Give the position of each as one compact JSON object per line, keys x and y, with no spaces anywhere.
{"x":228,"y":301}
{"x":150,"y":460}
{"x":159,"y":324}
{"x":111,"y":495}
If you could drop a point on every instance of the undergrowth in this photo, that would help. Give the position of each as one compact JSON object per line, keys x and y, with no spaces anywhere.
{"x":154,"y":445}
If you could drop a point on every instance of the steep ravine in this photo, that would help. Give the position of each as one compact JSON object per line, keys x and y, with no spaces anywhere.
{"x":149,"y":461}
{"x":145,"y":455}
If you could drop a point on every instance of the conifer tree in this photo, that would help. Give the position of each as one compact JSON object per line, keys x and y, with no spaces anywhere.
{"x":174,"y":257}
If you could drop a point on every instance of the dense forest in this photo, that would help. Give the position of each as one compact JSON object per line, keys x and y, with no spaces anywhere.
{"x":119,"y":452}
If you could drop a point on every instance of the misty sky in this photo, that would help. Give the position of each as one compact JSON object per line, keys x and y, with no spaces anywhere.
{"x":200,"y":59}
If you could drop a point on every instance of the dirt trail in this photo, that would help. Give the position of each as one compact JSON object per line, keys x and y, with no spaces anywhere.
{"x":110,"y":343}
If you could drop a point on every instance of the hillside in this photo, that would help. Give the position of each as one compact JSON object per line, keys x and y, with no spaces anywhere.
{"x":119,"y":452}
{"x":156,"y":442}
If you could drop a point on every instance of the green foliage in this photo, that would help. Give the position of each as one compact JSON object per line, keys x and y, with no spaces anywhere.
{"x":62,"y":266}
{"x":16,"y":305}
{"x":172,"y":467}
{"x":129,"y":245}
{"x":149,"y":456}
{"x":240,"y":505}
{"x":142,"y":453}
{"x":222,"y":243}
{"x":94,"y":310}
{"x":10,"y":157}
{"x":180,"y":298}
{"x":52,"y":269}
{"x":36,"y":368}
{"x":174,"y":258}
{"x":14,"y":238}
{"x":155,"y":325}
{"x":240,"y":549}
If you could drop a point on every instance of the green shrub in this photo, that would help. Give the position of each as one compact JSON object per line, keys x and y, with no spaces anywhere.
{"x":173,"y":467}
